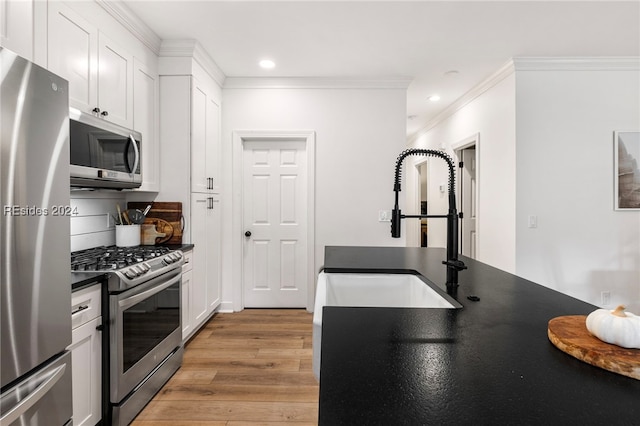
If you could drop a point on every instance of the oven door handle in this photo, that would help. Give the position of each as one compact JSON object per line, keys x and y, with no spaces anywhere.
{"x":136,"y":298}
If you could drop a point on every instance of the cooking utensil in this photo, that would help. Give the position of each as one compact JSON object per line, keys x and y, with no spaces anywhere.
{"x":570,"y":335}
{"x":135,"y":216}
{"x":119,"y":215}
{"x":146,"y":210}
{"x":126,"y":218}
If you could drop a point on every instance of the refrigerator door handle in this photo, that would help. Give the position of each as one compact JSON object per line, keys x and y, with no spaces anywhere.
{"x":47,"y":381}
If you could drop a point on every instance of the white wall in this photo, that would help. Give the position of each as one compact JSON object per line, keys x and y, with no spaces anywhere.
{"x":491,"y":114}
{"x":566,"y":117}
{"x":358,"y":134}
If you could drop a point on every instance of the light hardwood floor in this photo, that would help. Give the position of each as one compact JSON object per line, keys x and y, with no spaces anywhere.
{"x":245,"y":368}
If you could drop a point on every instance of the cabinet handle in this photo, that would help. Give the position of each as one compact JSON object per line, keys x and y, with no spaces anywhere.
{"x":104,"y":113}
{"x":80,"y":309}
{"x":96,"y":110}
{"x":210,"y":199}
{"x":100,"y":327}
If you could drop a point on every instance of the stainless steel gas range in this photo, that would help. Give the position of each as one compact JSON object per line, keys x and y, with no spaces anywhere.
{"x":142,"y":298}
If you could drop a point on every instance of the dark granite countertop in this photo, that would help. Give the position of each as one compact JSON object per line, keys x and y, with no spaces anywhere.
{"x":489,"y":363}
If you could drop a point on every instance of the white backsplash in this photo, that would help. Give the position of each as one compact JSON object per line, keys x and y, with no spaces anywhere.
{"x":93,"y":225}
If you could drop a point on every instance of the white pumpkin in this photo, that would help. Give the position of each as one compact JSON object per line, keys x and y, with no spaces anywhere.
{"x":616,"y":327}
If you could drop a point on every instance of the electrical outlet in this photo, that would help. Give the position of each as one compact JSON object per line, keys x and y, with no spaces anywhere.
{"x":605,"y":297}
{"x":384,"y":216}
{"x":533,"y":221}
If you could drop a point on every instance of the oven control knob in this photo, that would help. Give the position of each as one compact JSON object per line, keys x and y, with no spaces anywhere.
{"x":145,"y":266}
{"x":139,"y":270}
{"x":168,"y":260}
{"x":130,"y":273}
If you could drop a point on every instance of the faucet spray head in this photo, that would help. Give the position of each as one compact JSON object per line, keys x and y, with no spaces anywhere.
{"x":395,"y":222}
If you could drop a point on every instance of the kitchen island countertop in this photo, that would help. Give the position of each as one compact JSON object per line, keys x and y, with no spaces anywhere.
{"x":489,"y":363}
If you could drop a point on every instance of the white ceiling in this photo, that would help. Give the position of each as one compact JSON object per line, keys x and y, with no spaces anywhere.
{"x":421,"y":40}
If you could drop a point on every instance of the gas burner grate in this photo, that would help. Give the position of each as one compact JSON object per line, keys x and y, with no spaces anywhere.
{"x":111,"y":258}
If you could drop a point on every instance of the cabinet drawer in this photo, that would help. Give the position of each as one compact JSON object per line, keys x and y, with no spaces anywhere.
{"x":85,"y":305}
{"x":188,"y":261}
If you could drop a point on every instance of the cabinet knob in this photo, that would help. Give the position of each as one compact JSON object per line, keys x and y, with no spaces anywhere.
{"x":96,"y":110}
{"x":247,"y":234}
{"x":104,"y":113}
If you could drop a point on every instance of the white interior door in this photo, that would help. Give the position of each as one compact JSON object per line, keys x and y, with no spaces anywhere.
{"x":275,"y":224}
{"x":468,"y":188}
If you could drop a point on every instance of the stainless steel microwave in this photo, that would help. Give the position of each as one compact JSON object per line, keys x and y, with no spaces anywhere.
{"x":103,"y":154}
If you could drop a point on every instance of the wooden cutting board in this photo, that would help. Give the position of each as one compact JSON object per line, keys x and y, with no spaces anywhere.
{"x":570,"y":335}
{"x":168,"y":211}
{"x":164,"y":230}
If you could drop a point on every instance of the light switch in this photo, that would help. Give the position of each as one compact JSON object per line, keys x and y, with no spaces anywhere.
{"x":533,"y":221}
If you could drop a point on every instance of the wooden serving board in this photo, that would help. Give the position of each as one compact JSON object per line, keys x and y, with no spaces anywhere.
{"x":570,"y":335}
{"x":162,"y":227}
{"x":168,"y":211}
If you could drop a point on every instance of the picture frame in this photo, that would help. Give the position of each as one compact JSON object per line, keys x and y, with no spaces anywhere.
{"x":627,"y":170}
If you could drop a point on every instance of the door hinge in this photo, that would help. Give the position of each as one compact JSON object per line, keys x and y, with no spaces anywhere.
{"x":461,"y":164}
{"x":461,"y":215}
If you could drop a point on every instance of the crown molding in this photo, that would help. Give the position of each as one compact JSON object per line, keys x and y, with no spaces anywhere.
{"x":613,"y":63}
{"x":317,"y":83}
{"x":192,"y":49}
{"x":121,"y":13}
{"x":503,"y":72}
{"x":627,"y":63}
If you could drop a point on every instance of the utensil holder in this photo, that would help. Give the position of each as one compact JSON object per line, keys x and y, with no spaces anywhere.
{"x":127,"y":235}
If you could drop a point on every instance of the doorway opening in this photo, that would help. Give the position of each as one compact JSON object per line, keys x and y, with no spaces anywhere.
{"x":466,"y":152}
{"x":423,"y":197}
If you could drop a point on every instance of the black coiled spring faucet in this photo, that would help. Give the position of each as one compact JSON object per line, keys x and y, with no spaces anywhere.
{"x":454,"y":265}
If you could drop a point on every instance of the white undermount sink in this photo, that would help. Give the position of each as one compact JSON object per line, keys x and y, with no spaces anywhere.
{"x":372,"y":290}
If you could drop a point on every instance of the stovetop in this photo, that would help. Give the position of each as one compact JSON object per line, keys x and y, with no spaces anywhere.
{"x":112,"y":258}
{"x":125,"y":267}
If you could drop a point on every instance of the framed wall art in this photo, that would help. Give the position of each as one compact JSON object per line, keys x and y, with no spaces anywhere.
{"x":627,"y":170}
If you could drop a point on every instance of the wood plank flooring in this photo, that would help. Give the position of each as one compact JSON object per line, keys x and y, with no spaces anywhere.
{"x":243,"y":368}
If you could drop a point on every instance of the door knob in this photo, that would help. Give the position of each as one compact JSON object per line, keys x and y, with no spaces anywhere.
{"x":247,"y":234}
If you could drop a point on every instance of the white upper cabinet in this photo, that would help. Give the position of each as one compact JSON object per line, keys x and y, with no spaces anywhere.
{"x":16,"y":27}
{"x":205,"y":140}
{"x":73,"y":54}
{"x":100,"y":73}
{"x":145,"y":113}
{"x":115,"y":82}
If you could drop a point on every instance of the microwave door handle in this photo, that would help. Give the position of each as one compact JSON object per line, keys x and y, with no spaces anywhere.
{"x":137,"y":152}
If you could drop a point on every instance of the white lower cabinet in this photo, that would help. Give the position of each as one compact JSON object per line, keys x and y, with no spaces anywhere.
{"x":86,"y":355}
{"x":206,"y":217}
{"x":185,"y":308}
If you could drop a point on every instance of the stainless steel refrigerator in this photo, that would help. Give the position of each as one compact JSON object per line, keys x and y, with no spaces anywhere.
{"x":36,"y":288}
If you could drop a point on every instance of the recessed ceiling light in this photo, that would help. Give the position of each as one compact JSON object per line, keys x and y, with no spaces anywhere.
{"x":267,"y":64}
{"x":452,"y":73}
{"x":434,"y":98}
